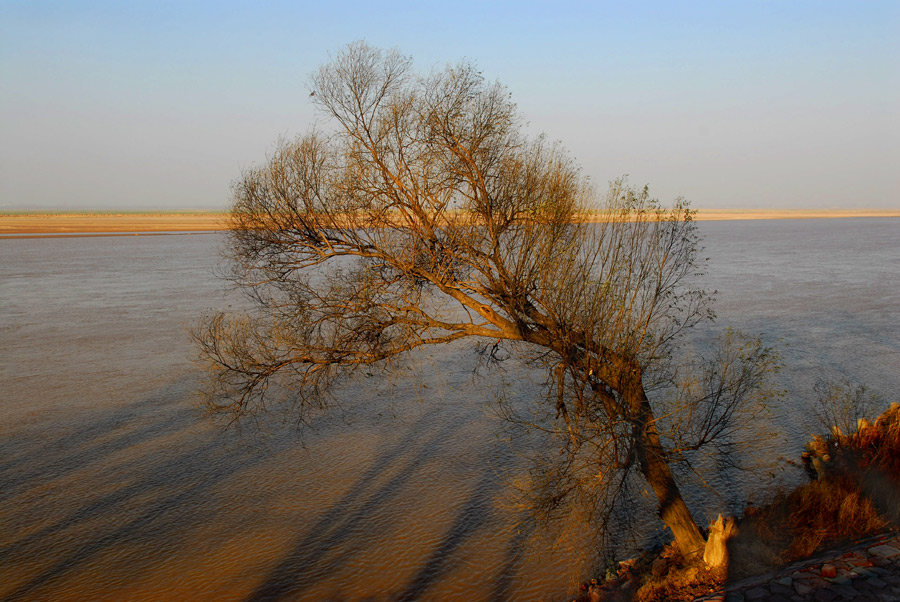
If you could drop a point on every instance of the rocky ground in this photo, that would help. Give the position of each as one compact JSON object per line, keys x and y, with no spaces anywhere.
{"x":867,"y":571}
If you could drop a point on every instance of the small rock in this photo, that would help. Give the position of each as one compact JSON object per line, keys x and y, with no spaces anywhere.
{"x":781,"y":590}
{"x":884,"y":551}
{"x":814,"y":581}
{"x":785,"y":581}
{"x":829,"y":571}
{"x":824,"y":595}
{"x":803,"y":590}
{"x":757,"y":593}
{"x":844,"y":592}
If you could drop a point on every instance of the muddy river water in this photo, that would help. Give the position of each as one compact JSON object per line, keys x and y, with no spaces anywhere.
{"x":115,"y":486}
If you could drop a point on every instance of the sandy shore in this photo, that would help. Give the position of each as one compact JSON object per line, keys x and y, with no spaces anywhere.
{"x":732,"y":214}
{"x":109,"y":224}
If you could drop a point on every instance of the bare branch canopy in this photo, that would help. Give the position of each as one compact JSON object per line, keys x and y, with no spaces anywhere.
{"x":424,"y":215}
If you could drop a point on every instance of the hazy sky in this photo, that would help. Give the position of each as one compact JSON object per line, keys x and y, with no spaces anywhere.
{"x":160,"y":105}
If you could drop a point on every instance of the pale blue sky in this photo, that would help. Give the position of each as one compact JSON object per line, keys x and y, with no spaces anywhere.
{"x":160,"y":105}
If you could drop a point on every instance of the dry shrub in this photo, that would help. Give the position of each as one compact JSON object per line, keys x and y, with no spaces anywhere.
{"x":827,"y":511}
{"x":877,"y":446}
{"x":813,"y":517}
{"x":839,"y":507}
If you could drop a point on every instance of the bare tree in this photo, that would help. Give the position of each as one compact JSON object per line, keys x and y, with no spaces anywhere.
{"x":425,"y":216}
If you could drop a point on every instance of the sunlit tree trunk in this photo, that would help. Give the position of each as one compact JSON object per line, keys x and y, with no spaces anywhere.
{"x":653,"y":465}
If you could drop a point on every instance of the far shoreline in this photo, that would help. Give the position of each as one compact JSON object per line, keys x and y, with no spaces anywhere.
{"x":78,"y":224}
{"x":747,"y":214}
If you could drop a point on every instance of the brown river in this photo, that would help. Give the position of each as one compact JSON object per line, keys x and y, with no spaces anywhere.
{"x":115,"y":486}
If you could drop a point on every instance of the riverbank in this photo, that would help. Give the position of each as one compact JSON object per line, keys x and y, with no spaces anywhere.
{"x":808,"y":544}
{"x":117,"y":224}
{"x":35,"y":224}
{"x":868,"y":570}
{"x":742,"y":214}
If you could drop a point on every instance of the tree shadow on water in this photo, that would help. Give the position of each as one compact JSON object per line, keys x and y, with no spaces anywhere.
{"x":472,"y":517}
{"x":325,"y":546}
{"x":107,"y":433}
{"x":339,"y":535}
{"x":118,"y":491}
{"x":108,"y":486}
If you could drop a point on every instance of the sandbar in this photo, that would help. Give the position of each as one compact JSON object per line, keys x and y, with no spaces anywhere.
{"x":22,"y":225}
{"x":735,"y":214}
{"x":16,"y":225}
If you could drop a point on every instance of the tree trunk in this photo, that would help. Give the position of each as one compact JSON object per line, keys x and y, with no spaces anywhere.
{"x":650,"y":454}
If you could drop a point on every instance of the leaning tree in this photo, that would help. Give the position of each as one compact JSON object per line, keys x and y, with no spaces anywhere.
{"x":423,"y":215}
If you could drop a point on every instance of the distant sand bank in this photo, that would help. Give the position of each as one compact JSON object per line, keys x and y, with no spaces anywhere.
{"x":731,"y":214}
{"x":36,"y":224}
{"x":109,"y":223}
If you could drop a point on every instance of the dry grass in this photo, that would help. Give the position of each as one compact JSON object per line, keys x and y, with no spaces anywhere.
{"x":857,"y":497}
{"x":683,"y":583}
{"x":816,"y":515}
{"x":876,"y":446}
{"x":681,"y":580}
